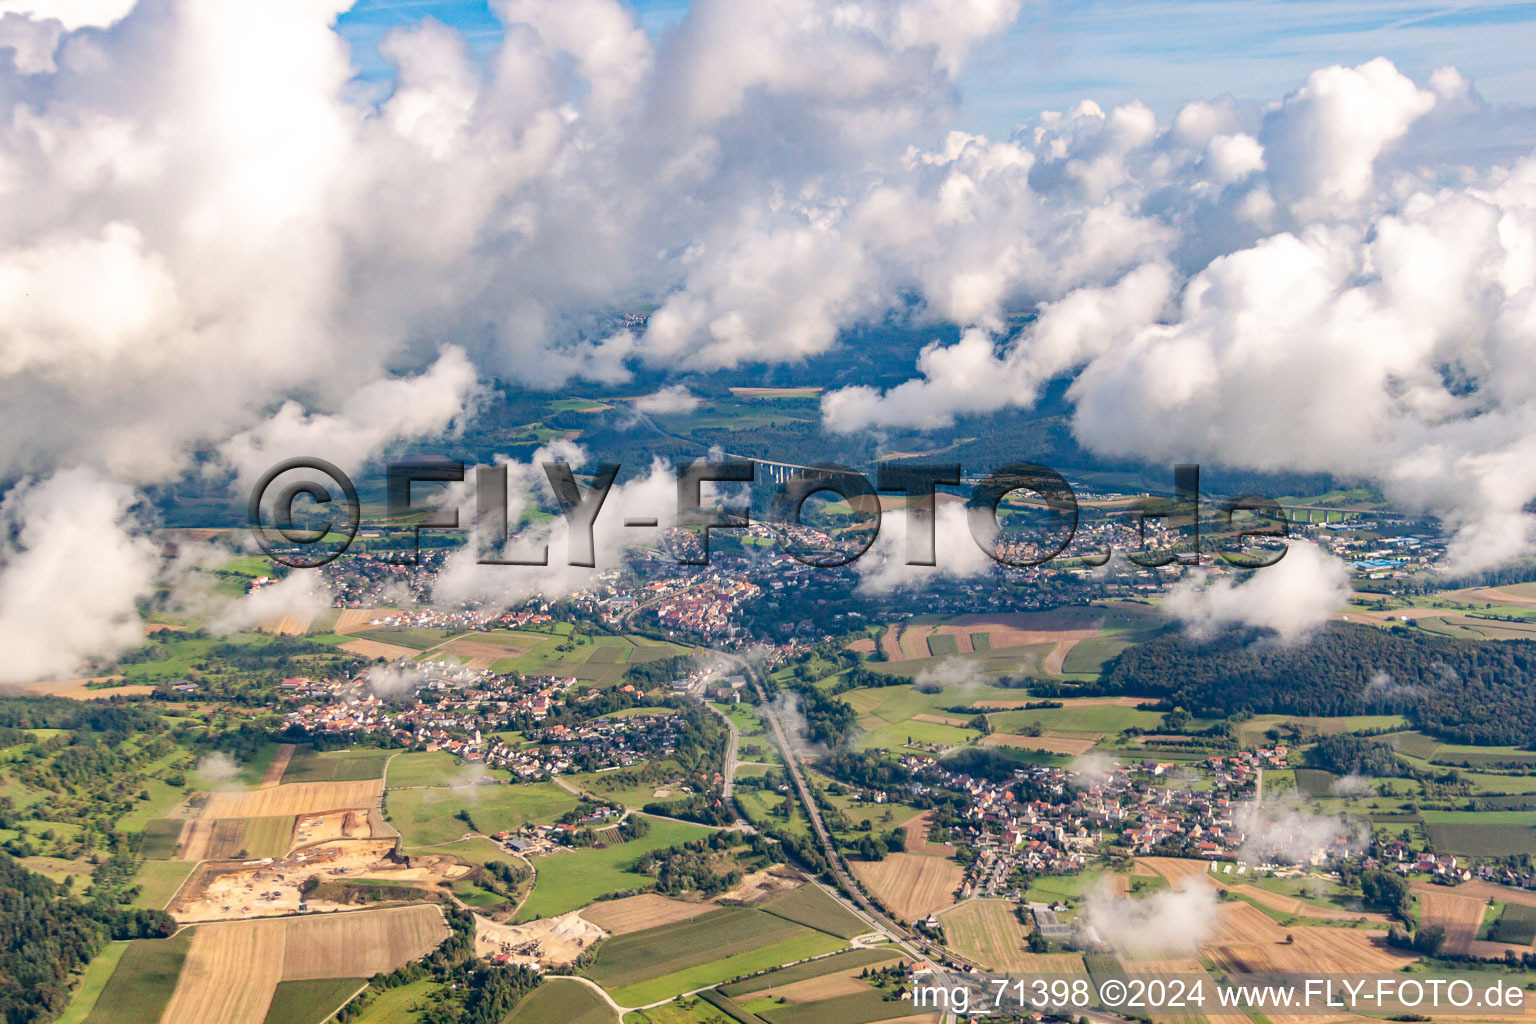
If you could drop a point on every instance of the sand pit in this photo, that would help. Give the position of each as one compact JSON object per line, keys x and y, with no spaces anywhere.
{"x":1058,"y":743}
{"x":637,"y":913}
{"x":236,"y":891}
{"x":764,"y":885}
{"x":551,"y":942}
{"x":294,"y":798}
{"x":910,"y":885}
{"x":322,"y":828}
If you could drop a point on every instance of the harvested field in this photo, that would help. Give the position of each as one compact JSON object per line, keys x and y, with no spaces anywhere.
{"x":296,"y":624}
{"x":1460,"y":916}
{"x":1500,"y":893}
{"x":232,"y":969}
{"x":637,"y":913}
{"x":917,"y":837}
{"x":354,"y":620}
{"x":1054,"y":660}
{"x":814,"y":990}
{"x":1058,"y":744}
{"x":1249,"y":941}
{"x":989,"y":932}
{"x":911,"y":885}
{"x":279,"y":765}
{"x":959,"y":723}
{"x":1020,"y":629}
{"x":549,"y":942}
{"x":294,"y":798}
{"x":233,"y":838}
{"x":1301,"y":908}
{"x":1171,"y":869}
{"x":360,"y":944}
{"x":75,"y":689}
{"x":229,"y":975}
{"x":377,"y":649}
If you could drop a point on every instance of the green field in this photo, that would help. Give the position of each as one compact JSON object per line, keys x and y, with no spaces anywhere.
{"x":655,"y":958}
{"x":393,"y":1005}
{"x":811,"y":906}
{"x":309,"y":765}
{"x":423,"y":768}
{"x":942,"y":645}
{"x":158,"y":881}
{"x":562,"y":1001}
{"x":788,"y":951}
{"x":815,"y":969}
{"x":861,"y":1008}
{"x":267,"y":837}
{"x":1088,"y":656}
{"x":1481,"y":839}
{"x":92,"y":981}
{"x":1312,"y":782}
{"x":428,"y":817}
{"x":1095,"y":718}
{"x":569,"y":880}
{"x":143,"y":982}
{"x":310,"y":1002}
{"x":160,"y":838}
{"x":1516,"y":925}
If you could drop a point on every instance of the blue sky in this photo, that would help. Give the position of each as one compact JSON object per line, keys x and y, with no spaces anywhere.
{"x":1161,"y":51}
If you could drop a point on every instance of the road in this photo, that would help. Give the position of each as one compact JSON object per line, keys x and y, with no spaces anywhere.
{"x":730,"y":750}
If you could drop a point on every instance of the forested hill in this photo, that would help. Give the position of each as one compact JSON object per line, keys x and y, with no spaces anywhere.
{"x":1463,"y":690}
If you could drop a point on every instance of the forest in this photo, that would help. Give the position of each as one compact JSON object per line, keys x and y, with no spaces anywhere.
{"x":1465,"y":691}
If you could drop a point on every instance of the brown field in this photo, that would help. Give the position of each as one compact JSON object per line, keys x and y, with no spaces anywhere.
{"x":230,"y":973}
{"x":1053,"y":661}
{"x":294,"y":798}
{"x":377,"y":649}
{"x":1017,"y":629}
{"x":360,"y":944}
{"x":1459,"y":915}
{"x":1060,"y":743}
{"x":637,"y":913}
{"x":805,"y":392}
{"x":355,"y":620}
{"x":989,"y":933}
{"x":917,"y":838}
{"x":1166,"y":968}
{"x":232,"y":968}
{"x":288,"y":625}
{"x":274,"y":774}
{"x":75,"y":689}
{"x":1490,"y":891}
{"x":480,"y":649}
{"x":1249,"y":941}
{"x":814,"y":990}
{"x":911,"y":885}
{"x":196,"y":837}
{"x":211,"y":838}
{"x":1301,"y":908}
{"x":1173,"y":868}
{"x":942,"y":720}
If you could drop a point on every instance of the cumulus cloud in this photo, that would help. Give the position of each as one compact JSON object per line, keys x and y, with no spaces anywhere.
{"x":883,"y":569}
{"x":393,"y":680}
{"x":669,"y":401}
{"x":75,"y":568}
{"x":1282,"y":830}
{"x":300,"y":594}
{"x":948,"y":672}
{"x":216,"y":770}
{"x":1292,"y":597}
{"x":1169,"y":923}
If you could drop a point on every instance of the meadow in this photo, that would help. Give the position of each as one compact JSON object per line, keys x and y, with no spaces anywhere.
{"x":141,"y":986}
{"x":571,"y":879}
{"x":564,"y":1001}
{"x":309,"y":1002}
{"x":811,"y":906}
{"x":429,"y":817}
{"x":309,"y":765}
{"x":423,"y":768}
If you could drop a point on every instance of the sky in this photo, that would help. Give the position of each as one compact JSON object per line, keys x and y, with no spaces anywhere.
{"x":1282,"y":237}
{"x":1162,"y":52}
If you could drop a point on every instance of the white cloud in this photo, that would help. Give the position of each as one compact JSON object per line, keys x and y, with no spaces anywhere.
{"x":73,"y":572}
{"x":1292,"y":597}
{"x":669,"y":401}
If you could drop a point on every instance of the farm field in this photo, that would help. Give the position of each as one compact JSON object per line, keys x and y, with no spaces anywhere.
{"x":142,"y":984}
{"x":849,"y":960}
{"x":428,"y":817}
{"x":562,"y":1000}
{"x":637,"y":913}
{"x":298,"y":798}
{"x":308,"y":1002}
{"x":393,"y":1005}
{"x":236,"y":838}
{"x":911,"y":885}
{"x":309,"y":765}
{"x":233,"y":969}
{"x":423,"y":768}
{"x":1069,"y":744}
{"x":92,"y":981}
{"x":1249,"y":941}
{"x":569,"y":880}
{"x":811,"y":906}
{"x":1473,"y":834}
{"x":650,"y":965}
{"x":989,"y":932}
{"x":158,"y":881}
{"x":860,"y":1008}
{"x":1460,"y":916}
